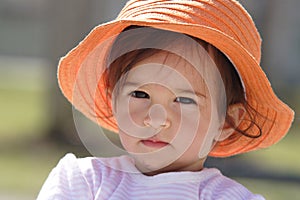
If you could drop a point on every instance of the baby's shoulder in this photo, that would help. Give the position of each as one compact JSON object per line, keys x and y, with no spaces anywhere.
{"x":222,"y":187}
{"x":94,"y":165}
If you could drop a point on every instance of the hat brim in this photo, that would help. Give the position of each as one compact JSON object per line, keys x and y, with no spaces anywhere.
{"x":274,"y":119}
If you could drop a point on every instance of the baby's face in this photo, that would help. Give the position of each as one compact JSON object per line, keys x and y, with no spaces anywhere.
{"x":164,"y":114}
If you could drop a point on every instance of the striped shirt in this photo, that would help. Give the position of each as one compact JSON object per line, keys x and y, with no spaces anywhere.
{"x":118,"y":179}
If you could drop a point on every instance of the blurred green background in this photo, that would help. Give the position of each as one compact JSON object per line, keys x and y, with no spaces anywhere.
{"x":36,"y":122}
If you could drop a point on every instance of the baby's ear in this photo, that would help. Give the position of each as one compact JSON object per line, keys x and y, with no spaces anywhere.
{"x":236,"y":113}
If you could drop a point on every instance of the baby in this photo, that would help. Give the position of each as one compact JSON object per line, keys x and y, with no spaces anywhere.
{"x":178,"y":81}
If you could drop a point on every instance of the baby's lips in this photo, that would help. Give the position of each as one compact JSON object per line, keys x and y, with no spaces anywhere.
{"x":154,"y":143}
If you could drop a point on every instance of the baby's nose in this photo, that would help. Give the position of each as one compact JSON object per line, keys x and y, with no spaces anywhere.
{"x":157,"y":117}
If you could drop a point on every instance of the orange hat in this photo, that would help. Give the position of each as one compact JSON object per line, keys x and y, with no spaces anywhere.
{"x":222,"y":23}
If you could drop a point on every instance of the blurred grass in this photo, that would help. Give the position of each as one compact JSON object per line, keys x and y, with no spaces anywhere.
{"x":25,"y":162}
{"x":282,"y":157}
{"x":21,"y":112}
{"x":23,"y":90}
{"x":23,"y":170}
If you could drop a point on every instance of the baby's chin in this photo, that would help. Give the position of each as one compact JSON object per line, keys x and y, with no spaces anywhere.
{"x":155,"y":167}
{"x":152,"y":163}
{"x":149,"y":168}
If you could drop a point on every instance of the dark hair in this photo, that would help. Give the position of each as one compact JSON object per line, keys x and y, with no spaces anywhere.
{"x":119,"y":65}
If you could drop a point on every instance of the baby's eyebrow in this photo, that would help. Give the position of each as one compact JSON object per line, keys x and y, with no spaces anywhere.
{"x":130,"y":84}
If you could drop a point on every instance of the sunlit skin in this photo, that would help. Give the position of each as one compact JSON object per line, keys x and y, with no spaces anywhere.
{"x":164,"y":115}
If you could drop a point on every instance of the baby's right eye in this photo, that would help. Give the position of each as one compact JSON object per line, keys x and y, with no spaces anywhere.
{"x":139,"y":94}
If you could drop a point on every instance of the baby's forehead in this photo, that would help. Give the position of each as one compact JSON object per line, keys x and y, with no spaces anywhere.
{"x":166,"y":58}
{"x":166,"y":69}
{"x":165,"y":64}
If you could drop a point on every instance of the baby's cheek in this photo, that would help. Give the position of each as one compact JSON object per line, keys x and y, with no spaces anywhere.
{"x":137,"y":110}
{"x":190,"y":117}
{"x":128,"y":142}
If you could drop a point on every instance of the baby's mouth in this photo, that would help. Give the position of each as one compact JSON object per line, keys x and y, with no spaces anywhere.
{"x":154,"y":143}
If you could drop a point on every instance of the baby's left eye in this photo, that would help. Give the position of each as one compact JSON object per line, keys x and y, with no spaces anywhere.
{"x":185,"y":100}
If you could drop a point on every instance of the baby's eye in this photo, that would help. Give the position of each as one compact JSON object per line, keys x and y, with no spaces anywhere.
{"x":139,"y":94}
{"x":185,"y":100}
